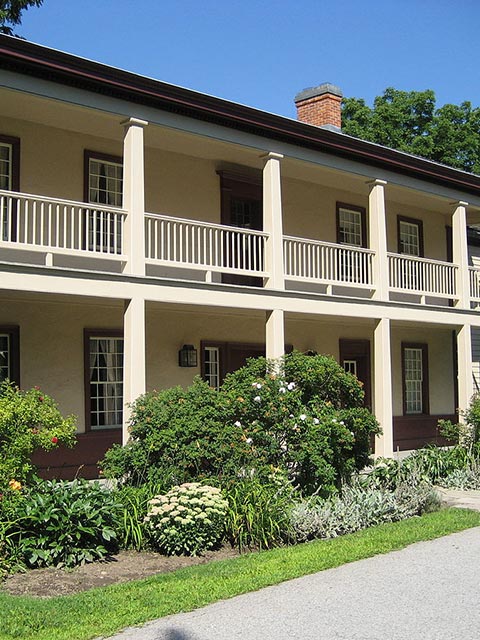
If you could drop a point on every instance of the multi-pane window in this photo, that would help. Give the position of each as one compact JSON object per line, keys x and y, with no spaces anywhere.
{"x":6,"y":178}
{"x":211,"y":356}
{"x":9,"y":354}
{"x":104,"y":186}
{"x":5,"y":355}
{"x":350,"y":226}
{"x":414,"y":379}
{"x":410,"y":237}
{"x":105,"y":180}
{"x":245,"y":213}
{"x":105,"y":381}
{"x":350,"y":366}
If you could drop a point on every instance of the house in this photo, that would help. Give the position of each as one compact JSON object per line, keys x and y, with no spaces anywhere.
{"x":149,"y":233}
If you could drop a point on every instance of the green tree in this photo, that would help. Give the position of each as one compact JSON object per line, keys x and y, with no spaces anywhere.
{"x":409,"y":121}
{"x":11,"y":13}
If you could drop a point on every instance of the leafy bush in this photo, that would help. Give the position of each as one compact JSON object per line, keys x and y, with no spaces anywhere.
{"x":359,"y":507}
{"x":28,"y":420}
{"x":177,"y":435}
{"x":258,"y":513}
{"x":66,"y":523}
{"x":188,"y":520}
{"x":466,"y":479}
{"x":312,"y":428}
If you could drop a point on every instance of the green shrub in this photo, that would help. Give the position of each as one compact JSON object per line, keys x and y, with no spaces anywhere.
{"x":28,"y":420}
{"x":359,"y":507}
{"x":188,"y":520}
{"x":258,"y":513}
{"x":257,"y":421}
{"x":66,"y":523}
{"x":177,"y":435}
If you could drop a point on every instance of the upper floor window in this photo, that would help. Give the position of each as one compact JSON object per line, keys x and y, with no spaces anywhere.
{"x":103,"y":185}
{"x":9,"y":354}
{"x":410,"y":236}
{"x":351,"y":226}
{"x":104,"y":179}
{"x":9,"y":181}
{"x":415,"y":378}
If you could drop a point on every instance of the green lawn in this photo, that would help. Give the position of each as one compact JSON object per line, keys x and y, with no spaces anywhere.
{"x":107,"y":610}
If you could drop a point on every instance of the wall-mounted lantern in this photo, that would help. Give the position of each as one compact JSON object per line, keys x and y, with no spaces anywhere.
{"x":187,"y":356}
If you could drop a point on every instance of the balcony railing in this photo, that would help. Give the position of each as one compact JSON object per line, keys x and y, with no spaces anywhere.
{"x":204,"y":246}
{"x":422,"y":276}
{"x":327,"y":263}
{"x":54,"y":226}
{"x":57,"y":226}
{"x":474,"y":273}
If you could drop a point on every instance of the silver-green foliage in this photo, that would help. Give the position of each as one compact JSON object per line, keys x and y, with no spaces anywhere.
{"x":359,"y":507}
{"x":188,"y":520}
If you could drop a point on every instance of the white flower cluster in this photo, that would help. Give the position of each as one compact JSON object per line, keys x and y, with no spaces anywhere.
{"x":188,"y":519}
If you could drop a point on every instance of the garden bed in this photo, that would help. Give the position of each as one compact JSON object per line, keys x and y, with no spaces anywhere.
{"x":123,"y":567}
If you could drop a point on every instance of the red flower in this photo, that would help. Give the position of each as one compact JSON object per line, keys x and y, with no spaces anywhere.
{"x":54,"y":439}
{"x":36,"y":388}
{"x":40,"y":398}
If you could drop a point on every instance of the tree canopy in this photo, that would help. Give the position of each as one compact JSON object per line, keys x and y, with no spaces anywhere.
{"x":11,"y":13}
{"x":409,"y":121}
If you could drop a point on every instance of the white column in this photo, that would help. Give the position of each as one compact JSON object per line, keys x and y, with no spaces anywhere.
{"x":134,"y":196}
{"x":272,"y":221}
{"x":275,"y":335}
{"x":460,"y":254}
{"x":378,"y":238}
{"x":133,"y":357}
{"x":383,"y":388}
{"x":464,"y":365}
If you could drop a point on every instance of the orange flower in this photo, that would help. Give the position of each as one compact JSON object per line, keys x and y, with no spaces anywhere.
{"x":15,"y":485}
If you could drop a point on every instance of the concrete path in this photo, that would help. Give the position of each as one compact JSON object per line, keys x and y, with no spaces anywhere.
{"x":428,"y":591}
{"x":461,"y":499}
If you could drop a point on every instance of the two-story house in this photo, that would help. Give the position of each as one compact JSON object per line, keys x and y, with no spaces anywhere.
{"x":149,"y":233}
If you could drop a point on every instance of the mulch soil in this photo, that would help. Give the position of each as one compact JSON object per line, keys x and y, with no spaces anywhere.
{"x":126,"y":566}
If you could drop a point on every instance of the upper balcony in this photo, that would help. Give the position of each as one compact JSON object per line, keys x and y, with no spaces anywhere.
{"x":42,"y":230}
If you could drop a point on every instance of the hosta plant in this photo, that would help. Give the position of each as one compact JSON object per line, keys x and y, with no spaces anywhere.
{"x":188,"y":520}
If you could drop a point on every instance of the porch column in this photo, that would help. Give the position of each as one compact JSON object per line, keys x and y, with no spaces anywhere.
{"x":460,"y":254}
{"x":272,"y":221}
{"x":275,"y":335}
{"x":464,"y":366}
{"x":382,"y":397}
{"x":378,"y":238}
{"x":133,"y":357}
{"x":134,"y":196}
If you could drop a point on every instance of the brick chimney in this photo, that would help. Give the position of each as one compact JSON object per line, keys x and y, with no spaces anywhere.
{"x":320,"y":106}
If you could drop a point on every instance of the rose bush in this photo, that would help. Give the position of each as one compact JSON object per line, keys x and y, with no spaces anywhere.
{"x":28,"y":420}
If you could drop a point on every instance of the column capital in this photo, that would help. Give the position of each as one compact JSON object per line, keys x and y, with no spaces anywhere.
{"x":134,"y":122}
{"x":272,"y":155}
{"x":376,"y":183}
{"x":459,"y":203}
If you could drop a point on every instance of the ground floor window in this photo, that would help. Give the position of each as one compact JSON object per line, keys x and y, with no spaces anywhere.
{"x":415,"y":378}
{"x":104,"y":372}
{"x":211,"y":360}
{"x":9,"y":354}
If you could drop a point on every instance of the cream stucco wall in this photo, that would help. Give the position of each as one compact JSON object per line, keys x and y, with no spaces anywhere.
{"x":440,"y":366}
{"x":52,"y":348}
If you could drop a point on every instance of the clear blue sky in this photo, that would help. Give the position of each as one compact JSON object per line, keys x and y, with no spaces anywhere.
{"x":263,"y":53}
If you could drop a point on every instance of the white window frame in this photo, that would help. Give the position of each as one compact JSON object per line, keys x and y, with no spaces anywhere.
{"x":350,"y":227}
{"x":415,"y":383}
{"x":410,"y":237}
{"x":105,"y":380}
{"x":212,"y":365}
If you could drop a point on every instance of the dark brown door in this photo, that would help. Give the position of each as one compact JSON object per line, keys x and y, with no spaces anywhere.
{"x":241,"y":202}
{"x":355,"y":358}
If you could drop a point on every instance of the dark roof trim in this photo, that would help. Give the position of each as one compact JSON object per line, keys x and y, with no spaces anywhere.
{"x":56,"y":66}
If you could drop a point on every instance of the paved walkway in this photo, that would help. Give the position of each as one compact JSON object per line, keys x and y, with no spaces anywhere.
{"x":428,"y":591}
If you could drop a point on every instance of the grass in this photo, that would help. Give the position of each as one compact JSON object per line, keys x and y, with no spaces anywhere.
{"x":107,"y":610}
